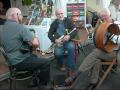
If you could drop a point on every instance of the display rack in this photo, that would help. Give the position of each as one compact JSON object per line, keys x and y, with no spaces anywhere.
{"x":77,"y":12}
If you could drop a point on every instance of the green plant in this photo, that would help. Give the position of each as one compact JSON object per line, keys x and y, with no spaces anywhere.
{"x":26,"y":2}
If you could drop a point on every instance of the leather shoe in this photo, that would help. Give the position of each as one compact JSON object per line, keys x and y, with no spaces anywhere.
{"x":72,"y":78}
{"x":91,"y":87}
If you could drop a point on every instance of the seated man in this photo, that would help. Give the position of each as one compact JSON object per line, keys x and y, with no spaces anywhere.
{"x":104,"y":16}
{"x":92,"y":61}
{"x":13,"y":36}
{"x":61,"y":26}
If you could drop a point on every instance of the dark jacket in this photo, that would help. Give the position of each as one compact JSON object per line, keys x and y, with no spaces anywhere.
{"x":52,"y":34}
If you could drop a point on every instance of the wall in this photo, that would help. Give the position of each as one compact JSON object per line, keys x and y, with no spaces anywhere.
{"x":94,"y":5}
{"x":97,"y":5}
{"x":18,"y":4}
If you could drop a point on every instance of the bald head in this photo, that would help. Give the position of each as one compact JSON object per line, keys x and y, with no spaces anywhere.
{"x":59,"y":11}
{"x":60,"y":14}
{"x":14,"y":14}
{"x":12,"y":11}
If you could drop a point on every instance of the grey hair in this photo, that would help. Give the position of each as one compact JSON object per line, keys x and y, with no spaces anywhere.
{"x":105,"y":11}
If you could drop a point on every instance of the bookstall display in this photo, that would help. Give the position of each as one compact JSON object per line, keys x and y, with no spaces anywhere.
{"x":77,"y":12}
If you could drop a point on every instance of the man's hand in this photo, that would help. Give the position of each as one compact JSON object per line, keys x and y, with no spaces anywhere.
{"x":35,"y":43}
{"x":66,"y":38}
{"x":58,"y":42}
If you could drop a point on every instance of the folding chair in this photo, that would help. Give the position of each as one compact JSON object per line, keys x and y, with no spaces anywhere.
{"x":15,"y":75}
{"x":109,"y":68}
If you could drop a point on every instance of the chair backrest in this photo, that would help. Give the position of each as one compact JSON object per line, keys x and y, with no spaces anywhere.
{"x":6,"y":58}
{"x":20,"y":75}
{"x":83,"y":36}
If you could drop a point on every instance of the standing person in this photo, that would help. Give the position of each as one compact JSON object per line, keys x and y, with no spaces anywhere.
{"x":13,"y":36}
{"x":58,"y":28}
{"x":2,"y":13}
{"x":93,"y":61}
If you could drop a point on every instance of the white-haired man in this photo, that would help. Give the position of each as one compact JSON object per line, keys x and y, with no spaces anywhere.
{"x":58,"y":28}
{"x":92,"y":61}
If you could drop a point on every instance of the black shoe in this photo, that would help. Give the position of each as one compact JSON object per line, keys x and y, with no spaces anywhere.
{"x":91,"y":87}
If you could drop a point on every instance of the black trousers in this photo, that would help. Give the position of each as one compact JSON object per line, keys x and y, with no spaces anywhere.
{"x":34,"y":64}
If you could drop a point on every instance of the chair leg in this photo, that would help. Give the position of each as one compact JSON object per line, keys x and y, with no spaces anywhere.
{"x":76,"y":53}
{"x":15,"y":84}
{"x":10,"y":84}
{"x":80,"y":46}
{"x":105,"y":75}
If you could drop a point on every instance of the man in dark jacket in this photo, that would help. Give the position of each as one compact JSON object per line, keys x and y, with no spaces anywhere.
{"x":61,"y":27}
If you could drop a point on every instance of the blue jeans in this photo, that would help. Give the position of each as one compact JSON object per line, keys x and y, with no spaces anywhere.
{"x":59,"y":54}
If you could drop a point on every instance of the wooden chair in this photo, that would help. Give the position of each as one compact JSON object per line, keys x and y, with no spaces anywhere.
{"x":109,"y":68}
{"x":81,"y":40}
